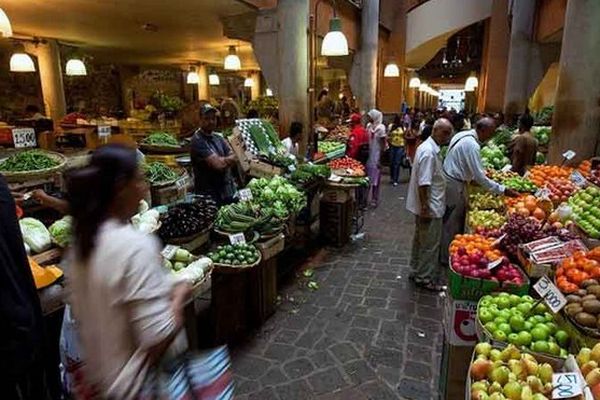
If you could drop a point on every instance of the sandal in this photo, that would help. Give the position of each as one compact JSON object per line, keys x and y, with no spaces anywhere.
{"x":428,"y":285}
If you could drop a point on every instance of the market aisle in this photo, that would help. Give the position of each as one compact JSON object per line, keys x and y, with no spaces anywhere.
{"x":365,"y":333}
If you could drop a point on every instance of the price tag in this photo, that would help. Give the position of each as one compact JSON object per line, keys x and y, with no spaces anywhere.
{"x":569,"y":154}
{"x":245,"y":194}
{"x":103,"y":130}
{"x":497,"y":242}
{"x":24,"y":137}
{"x":335,"y":178}
{"x":578,"y":179}
{"x":181,"y":183}
{"x":527,"y":174}
{"x":543,"y":193}
{"x":550,"y":294}
{"x":169,"y":251}
{"x":506,"y":168}
{"x":494,"y":264}
{"x":291,"y":167}
{"x":565,"y":385}
{"x":237,"y":238}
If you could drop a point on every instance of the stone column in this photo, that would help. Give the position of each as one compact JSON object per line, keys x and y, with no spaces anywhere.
{"x":203,"y":89}
{"x":53,"y":91}
{"x":292,"y":45}
{"x":576,"y":123}
{"x":369,"y":46}
{"x":255,"y":89}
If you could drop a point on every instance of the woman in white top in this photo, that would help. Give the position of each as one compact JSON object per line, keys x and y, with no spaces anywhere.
{"x":129,"y":308}
{"x":377,"y":143}
{"x":291,"y":142}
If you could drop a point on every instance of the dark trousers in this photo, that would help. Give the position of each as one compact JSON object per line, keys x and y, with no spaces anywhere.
{"x":396,"y":156}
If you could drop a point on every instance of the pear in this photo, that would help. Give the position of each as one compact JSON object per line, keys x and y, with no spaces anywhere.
{"x":495,"y":355}
{"x":495,"y":387}
{"x":483,"y":348}
{"x":510,"y":353}
{"x":526,"y":393}
{"x":587,"y":367}
{"x":512,"y":390}
{"x":535,"y":384}
{"x":539,"y":396}
{"x":595,"y":354}
{"x":530,"y":366}
{"x":500,"y":375}
{"x":497,"y":396}
{"x":518,"y":369}
{"x":480,"y":369}
{"x":584,"y":356}
{"x":548,"y":389}
{"x":593,"y":377}
{"x":527,"y":356}
{"x":479,"y":395}
{"x":480,"y":385}
{"x":545,"y":372}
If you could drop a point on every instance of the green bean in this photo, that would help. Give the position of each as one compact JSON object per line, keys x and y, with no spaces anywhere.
{"x":30,"y":160}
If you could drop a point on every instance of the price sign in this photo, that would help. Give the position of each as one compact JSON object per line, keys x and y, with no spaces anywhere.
{"x":543,"y":193}
{"x":499,"y":240}
{"x":565,"y":385}
{"x":506,"y":168}
{"x":245,"y":194}
{"x":103,"y":130}
{"x":169,"y":251}
{"x":335,"y":178}
{"x":578,"y":179}
{"x":527,"y":174}
{"x":237,"y":238}
{"x":569,"y":154}
{"x":550,"y":294}
{"x":24,"y":137}
{"x":494,"y":264}
{"x":181,"y":183}
{"x":291,"y":167}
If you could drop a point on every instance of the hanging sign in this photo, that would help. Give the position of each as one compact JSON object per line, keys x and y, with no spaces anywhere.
{"x":578,"y":179}
{"x":23,"y":138}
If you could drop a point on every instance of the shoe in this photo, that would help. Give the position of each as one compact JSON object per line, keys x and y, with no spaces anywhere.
{"x":431,"y":286}
{"x":395,"y":183}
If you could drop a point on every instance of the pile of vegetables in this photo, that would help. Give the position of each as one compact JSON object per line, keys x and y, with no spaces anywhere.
{"x":235,"y":255}
{"x":280,"y":159}
{"x":348,"y":164}
{"x":246,"y":216}
{"x":493,"y":156}
{"x":520,"y":184}
{"x":186,"y":266}
{"x":146,"y":220}
{"x":542,"y":134}
{"x":328,"y":146}
{"x":278,"y":193}
{"x":187,"y":219}
{"x":265,"y":138}
{"x":544,"y":116}
{"x":160,"y":139}
{"x":158,"y":172}
{"x":30,"y":160}
{"x":307,"y":173}
{"x":35,"y":235}
{"x":61,"y":231}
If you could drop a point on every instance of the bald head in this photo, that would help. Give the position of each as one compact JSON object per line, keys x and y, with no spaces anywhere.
{"x":442,"y":131}
{"x":485,"y":128}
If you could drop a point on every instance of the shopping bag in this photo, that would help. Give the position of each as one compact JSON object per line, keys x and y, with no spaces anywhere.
{"x":191,"y":376}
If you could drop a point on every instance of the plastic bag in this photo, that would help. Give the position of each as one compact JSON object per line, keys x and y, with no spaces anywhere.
{"x":35,"y":235}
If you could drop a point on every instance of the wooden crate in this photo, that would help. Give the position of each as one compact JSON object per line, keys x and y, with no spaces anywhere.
{"x":259,"y":169}
{"x":170,"y":194}
{"x":271,"y":247}
{"x":239,"y":149}
{"x":336,"y":222}
{"x":229,"y":309}
{"x":338,"y":194}
{"x":263,"y":291}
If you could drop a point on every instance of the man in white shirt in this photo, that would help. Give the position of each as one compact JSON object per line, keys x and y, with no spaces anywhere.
{"x":291,"y":142}
{"x":426,"y":192}
{"x":462,"y":166}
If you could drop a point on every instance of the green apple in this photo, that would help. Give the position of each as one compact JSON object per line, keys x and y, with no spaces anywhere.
{"x":506,"y":314}
{"x":562,"y":338}
{"x":544,"y":327}
{"x":514,"y":299}
{"x":539,"y":334}
{"x":517,"y":323}
{"x":548,"y":317}
{"x":500,"y":336}
{"x":553,"y":349}
{"x":541,"y":308}
{"x":541,"y":346}
{"x":504,"y":327}
{"x":564,"y":353}
{"x":552,"y":327}
{"x":503,"y":302}
{"x":528,"y":299}
{"x":524,"y":338}
{"x":491,"y":327}
{"x":528,"y":326}
{"x":513,"y":338}
{"x":500,"y":320}
{"x":485,"y":315}
{"x":524,"y":307}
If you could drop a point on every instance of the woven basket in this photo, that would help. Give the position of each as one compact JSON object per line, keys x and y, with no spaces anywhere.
{"x":189,"y":238}
{"x":12,"y":177}
{"x":234,"y":269}
{"x":152,"y":149}
{"x":254,"y":238}
{"x":180,"y":174}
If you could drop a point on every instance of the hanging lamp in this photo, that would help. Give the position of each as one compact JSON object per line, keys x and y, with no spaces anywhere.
{"x":414,"y":82}
{"x":269,"y":92}
{"x":472,"y":82}
{"x":5,"y":26}
{"x":232,"y":61}
{"x":248,"y":82}
{"x":423,"y":87}
{"x":391,"y":70}
{"x":75,"y":67}
{"x":334,"y":43}
{"x":192,"y":77}
{"x":21,"y":61}
{"x":213,"y":79}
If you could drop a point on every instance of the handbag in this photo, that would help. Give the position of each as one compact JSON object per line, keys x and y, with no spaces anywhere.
{"x":191,"y":376}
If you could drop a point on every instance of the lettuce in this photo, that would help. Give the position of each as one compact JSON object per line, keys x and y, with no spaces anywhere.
{"x":35,"y":235}
{"x":61,"y":231}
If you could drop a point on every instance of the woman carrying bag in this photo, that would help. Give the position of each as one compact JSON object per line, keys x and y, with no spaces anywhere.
{"x":128,"y":307}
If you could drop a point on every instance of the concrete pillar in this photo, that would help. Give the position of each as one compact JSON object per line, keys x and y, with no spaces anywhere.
{"x":255,"y":89}
{"x":292,"y":45}
{"x":576,"y":123}
{"x":53,"y":91}
{"x":203,"y":89}
{"x":369,"y":47}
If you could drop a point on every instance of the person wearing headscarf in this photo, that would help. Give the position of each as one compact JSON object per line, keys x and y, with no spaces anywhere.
{"x":377,"y":143}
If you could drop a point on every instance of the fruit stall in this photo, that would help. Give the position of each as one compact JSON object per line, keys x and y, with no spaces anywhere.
{"x":522,"y":313}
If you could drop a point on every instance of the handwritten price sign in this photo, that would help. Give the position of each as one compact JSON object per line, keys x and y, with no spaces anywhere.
{"x":245,"y":194}
{"x":565,"y":385}
{"x":237,"y":238}
{"x":550,"y":294}
{"x":23,"y":138}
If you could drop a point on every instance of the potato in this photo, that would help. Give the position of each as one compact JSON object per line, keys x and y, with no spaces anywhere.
{"x":589,"y":297}
{"x":573,"y":309}
{"x":593,"y":289}
{"x":591,"y":306}
{"x":573,"y":298}
{"x":588,"y":282}
{"x":581,"y":292}
{"x":586,"y":319}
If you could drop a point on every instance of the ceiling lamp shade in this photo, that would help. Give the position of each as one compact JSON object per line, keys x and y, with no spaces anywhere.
{"x":213,"y":79}
{"x":335,"y":43}
{"x":423,"y":87}
{"x":21,"y":62}
{"x":5,"y":26}
{"x":248,"y":82}
{"x":414,"y":82}
{"x":391,"y":70}
{"x":75,"y":67}
{"x":472,"y":82}
{"x":232,"y":61}
{"x":269,"y":92}
{"x":193,"y":78}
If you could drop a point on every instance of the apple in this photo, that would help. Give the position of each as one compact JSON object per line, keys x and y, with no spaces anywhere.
{"x":517,"y":323}
{"x":541,"y":346}
{"x":562,"y":338}
{"x":524,"y":338}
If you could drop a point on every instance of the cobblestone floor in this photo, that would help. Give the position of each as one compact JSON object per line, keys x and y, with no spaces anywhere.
{"x":365,"y":333}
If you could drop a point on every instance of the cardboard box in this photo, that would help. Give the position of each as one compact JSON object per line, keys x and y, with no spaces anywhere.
{"x":239,"y":149}
{"x":460,"y":322}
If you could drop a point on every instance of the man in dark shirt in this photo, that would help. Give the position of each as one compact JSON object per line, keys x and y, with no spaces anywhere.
{"x":212,"y":159}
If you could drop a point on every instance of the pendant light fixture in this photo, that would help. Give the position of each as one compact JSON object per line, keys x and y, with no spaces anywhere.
{"x":269,"y":92}
{"x":213,"y":79}
{"x":423,"y":87}
{"x":472,"y":82}
{"x":414,"y":82}
{"x":232,"y":61}
{"x":21,"y":61}
{"x":75,"y":67}
{"x":391,"y":70}
{"x":248,"y":82}
{"x":334,"y":43}
{"x":5,"y":26}
{"x":192,"y":77}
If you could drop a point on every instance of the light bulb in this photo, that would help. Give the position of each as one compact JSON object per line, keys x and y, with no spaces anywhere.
{"x":414,"y":83}
{"x":193,"y":78}
{"x":248,"y":82}
{"x":269,"y":92}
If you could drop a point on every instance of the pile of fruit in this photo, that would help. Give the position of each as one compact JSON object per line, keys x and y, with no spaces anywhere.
{"x":489,"y":232}
{"x":509,"y":374}
{"x":489,"y":219}
{"x":585,"y":167}
{"x":529,"y":206}
{"x":586,"y":210}
{"x":476,"y":265}
{"x":540,"y":174}
{"x":576,"y":274}
{"x":475,"y":243}
{"x":520,"y":184}
{"x":187,"y":219}
{"x":485,"y":201}
{"x":520,"y":322}
{"x":500,"y":176}
{"x":519,"y":230}
{"x":236,"y":255}
{"x":328,"y":146}
{"x":349,"y":165}
{"x":588,"y":361}
{"x":560,"y":189}
{"x":338,"y":134}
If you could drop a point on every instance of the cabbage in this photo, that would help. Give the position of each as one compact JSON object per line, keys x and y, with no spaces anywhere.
{"x":61,"y":231}
{"x":35,"y":234}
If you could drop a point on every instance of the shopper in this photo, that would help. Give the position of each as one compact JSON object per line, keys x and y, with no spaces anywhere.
{"x":377,"y":142}
{"x":462,"y":166}
{"x":22,"y":356}
{"x":425,"y":199}
{"x":359,"y":139}
{"x":396,"y":142}
{"x":523,"y":148}
{"x":129,"y":308}
{"x":212,"y":159}
{"x":291,"y":142}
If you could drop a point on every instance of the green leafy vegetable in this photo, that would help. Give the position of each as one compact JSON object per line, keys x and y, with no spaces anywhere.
{"x":61,"y":231}
{"x":157,"y":172}
{"x":30,"y":160}
{"x":160,"y":139}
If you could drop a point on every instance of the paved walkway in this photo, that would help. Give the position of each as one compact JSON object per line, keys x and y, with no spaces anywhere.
{"x":365,"y":333}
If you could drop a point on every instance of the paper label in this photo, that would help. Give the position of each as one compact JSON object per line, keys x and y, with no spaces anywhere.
{"x":553,"y":298}
{"x":335,"y":178}
{"x":245,"y":194}
{"x":578,"y":179}
{"x":169,"y":251}
{"x":494,"y":264}
{"x":291,"y":167}
{"x":103,"y":130}
{"x":543,"y":193}
{"x":565,"y":385}
{"x":506,"y":168}
{"x":497,"y":242}
{"x":569,"y":154}
{"x":23,"y":138}
{"x":237,"y":238}
{"x":181,"y":183}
